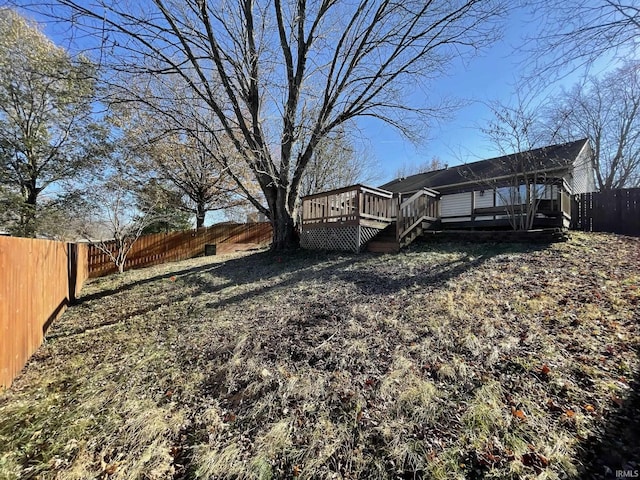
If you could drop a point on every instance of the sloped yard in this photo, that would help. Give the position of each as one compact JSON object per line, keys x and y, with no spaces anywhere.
{"x":444,"y":361}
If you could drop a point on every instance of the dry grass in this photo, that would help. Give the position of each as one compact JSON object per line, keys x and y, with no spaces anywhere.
{"x":444,"y":361}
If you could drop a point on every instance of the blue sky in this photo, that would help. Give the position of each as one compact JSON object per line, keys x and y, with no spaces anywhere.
{"x":490,"y":76}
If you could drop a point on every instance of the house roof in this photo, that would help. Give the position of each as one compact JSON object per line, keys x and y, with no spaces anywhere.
{"x":553,"y":157}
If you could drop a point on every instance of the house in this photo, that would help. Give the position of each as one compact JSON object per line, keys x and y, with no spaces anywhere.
{"x":524,"y":190}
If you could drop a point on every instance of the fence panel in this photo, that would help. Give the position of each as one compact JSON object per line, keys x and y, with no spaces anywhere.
{"x":615,"y":211}
{"x":38,"y":280}
{"x":160,"y":248}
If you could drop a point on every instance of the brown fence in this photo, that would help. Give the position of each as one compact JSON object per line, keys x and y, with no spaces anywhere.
{"x":38,"y":280}
{"x":616,"y":211}
{"x":168,"y":247}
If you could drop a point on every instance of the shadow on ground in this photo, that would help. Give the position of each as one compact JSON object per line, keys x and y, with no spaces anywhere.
{"x":314,"y":337}
{"x":138,"y":283}
{"x":614,"y":452}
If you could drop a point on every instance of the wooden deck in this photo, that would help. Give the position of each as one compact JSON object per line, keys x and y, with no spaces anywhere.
{"x":352,"y":217}
{"x":354,"y":205}
{"x":348,"y":218}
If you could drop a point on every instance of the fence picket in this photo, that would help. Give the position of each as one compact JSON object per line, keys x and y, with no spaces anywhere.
{"x":615,"y":211}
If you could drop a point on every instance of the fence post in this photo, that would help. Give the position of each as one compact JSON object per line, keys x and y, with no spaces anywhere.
{"x":72,"y":271}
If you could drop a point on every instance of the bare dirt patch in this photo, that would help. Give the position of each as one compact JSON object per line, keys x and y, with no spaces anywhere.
{"x":443,"y":361}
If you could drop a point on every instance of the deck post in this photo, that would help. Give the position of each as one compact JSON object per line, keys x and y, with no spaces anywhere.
{"x":473,"y":205}
{"x":398,"y":216}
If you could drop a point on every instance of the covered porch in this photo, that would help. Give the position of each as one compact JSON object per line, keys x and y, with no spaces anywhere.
{"x":502,"y":205}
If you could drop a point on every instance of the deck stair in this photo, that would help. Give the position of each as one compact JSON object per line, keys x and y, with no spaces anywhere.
{"x":413,"y":213}
{"x":385,"y":241}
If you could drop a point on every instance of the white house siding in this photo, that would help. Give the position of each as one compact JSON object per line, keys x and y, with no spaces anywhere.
{"x":583,"y":178}
{"x":485,"y":200}
{"x":455,"y":205}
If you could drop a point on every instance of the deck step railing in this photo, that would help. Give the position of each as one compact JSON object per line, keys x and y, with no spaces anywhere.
{"x":419,"y":207}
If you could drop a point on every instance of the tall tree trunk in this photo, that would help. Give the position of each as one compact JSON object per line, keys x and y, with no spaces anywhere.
{"x":200,"y":214}
{"x":282,"y":220}
{"x":29,"y":214}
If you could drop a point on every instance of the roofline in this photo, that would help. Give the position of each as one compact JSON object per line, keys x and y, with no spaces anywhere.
{"x":502,"y":177}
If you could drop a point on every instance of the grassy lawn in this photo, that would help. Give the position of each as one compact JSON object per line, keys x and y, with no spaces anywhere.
{"x":443,"y":361}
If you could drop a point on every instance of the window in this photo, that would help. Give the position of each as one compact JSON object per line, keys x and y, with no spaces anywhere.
{"x":511,"y":195}
{"x":518,"y":195}
{"x":545,"y":192}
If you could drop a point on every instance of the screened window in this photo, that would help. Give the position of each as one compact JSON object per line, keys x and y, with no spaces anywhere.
{"x":546,"y":192}
{"x":511,"y":195}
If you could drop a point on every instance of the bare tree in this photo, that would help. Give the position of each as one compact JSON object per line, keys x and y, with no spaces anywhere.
{"x":575,"y":33}
{"x":281,"y":76}
{"x":519,"y":176}
{"x":176,"y":140}
{"x":607,"y":111}
{"x":190,"y":165}
{"x":406,"y":170}
{"x":115,"y":219}
{"x":189,"y":158}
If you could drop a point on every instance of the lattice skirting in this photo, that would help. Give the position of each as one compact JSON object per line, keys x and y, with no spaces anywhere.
{"x":337,"y":238}
{"x":366,"y":234}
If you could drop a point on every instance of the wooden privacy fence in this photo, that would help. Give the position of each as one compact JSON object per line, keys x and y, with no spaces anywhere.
{"x":616,"y":211}
{"x":169,"y":247}
{"x":38,"y":280}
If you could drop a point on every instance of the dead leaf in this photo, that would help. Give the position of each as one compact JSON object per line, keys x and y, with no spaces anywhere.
{"x":545,"y":369}
{"x":518,"y":413}
{"x":589,"y":408}
{"x":617,"y":401}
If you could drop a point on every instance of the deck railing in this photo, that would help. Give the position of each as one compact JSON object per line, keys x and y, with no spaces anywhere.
{"x":421,"y":206}
{"x":565,"y":198}
{"x":565,"y":203}
{"x":349,"y":205}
